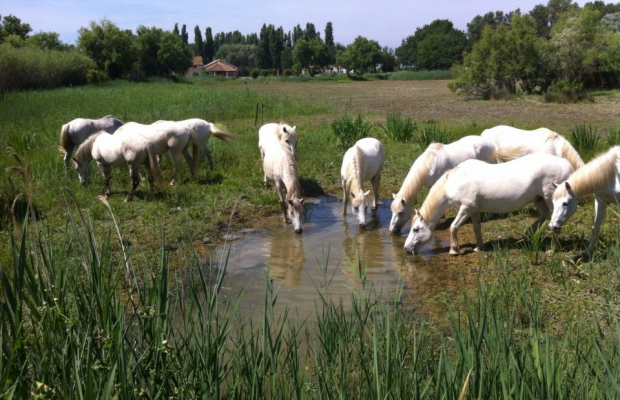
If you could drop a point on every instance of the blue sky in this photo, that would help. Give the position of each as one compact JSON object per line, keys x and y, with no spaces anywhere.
{"x":387,"y":21}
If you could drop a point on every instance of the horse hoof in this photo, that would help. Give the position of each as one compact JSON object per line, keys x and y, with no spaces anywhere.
{"x":454,"y":252}
{"x":476,"y":249}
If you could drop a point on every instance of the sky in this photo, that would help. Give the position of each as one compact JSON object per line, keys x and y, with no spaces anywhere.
{"x":386,"y":21}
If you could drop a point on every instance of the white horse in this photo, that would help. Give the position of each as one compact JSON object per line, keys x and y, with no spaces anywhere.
{"x":361,"y":163}
{"x":169,"y":136}
{"x":431,"y":165}
{"x":204,"y":130}
{"x":541,"y":140}
{"x":280,"y":168}
{"x":600,"y":177}
{"x":123,"y":149}
{"x":475,"y":187}
{"x":74,"y":133}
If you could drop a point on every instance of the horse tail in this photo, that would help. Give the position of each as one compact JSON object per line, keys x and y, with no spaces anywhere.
{"x":153,"y":163}
{"x":503,"y":155}
{"x":195,"y":149}
{"x":222,"y":135}
{"x":65,"y":140}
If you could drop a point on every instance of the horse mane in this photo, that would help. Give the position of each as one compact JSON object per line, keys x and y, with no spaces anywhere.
{"x":83,"y":153}
{"x":596,"y":174}
{"x":570,"y":154}
{"x":435,"y":196}
{"x":354,"y":172}
{"x":293,"y":188}
{"x":415,"y":178}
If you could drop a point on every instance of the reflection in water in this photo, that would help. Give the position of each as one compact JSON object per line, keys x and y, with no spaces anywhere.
{"x":286,"y":256}
{"x":316,"y":260}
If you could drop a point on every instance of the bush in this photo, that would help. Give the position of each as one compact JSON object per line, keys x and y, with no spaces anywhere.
{"x":35,"y":68}
{"x":96,"y":76}
{"x":255,"y":73}
{"x":349,"y":130}
{"x":613,"y":137}
{"x":433,"y":133}
{"x":398,"y":128}
{"x":287,"y":72}
{"x":566,"y":91}
{"x":584,"y":138}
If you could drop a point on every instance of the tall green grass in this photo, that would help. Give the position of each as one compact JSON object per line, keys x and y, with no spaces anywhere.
{"x":420,"y":75}
{"x":433,"y":133}
{"x":349,"y":130}
{"x":584,"y":137}
{"x":399,"y":128}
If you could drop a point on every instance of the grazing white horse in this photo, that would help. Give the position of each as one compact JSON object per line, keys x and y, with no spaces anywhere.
{"x":431,"y":165}
{"x":280,"y":168}
{"x":475,"y":187}
{"x":361,"y":163}
{"x":598,"y":177}
{"x":541,"y":140}
{"x":169,"y":136}
{"x":204,"y":130}
{"x":123,"y":149}
{"x":74,"y":133}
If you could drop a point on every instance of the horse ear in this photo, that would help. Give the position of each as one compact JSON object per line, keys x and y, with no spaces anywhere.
{"x":290,"y":202}
{"x":419,"y":214}
{"x":294,"y":128}
{"x":367,"y":193}
{"x":567,"y":185}
{"x":394,"y":196}
{"x":301,"y":201}
{"x":284,"y":129}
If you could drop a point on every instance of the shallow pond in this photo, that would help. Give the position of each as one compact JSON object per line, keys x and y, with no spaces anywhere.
{"x":301,"y":266}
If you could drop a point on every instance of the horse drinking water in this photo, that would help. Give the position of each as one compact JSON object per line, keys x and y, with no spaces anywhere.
{"x":598,"y":177}
{"x":269,"y":135}
{"x":74,"y":133}
{"x":475,"y":187}
{"x":431,"y":165}
{"x":362,"y":162}
{"x":280,"y":168}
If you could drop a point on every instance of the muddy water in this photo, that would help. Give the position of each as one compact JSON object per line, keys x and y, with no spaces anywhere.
{"x":302,"y":265}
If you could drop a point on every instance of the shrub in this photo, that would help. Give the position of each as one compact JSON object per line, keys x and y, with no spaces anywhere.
{"x":287,"y":72}
{"x":398,"y":128}
{"x":433,"y":133}
{"x":613,"y":137}
{"x":96,"y":76}
{"x":584,"y":138}
{"x":255,"y":73}
{"x":349,"y":130}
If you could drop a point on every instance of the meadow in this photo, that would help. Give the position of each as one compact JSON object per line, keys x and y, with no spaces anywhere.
{"x":105,"y":298}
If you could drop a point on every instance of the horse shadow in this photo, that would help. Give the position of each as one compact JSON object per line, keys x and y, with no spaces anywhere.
{"x":214,"y":179}
{"x":311,"y":187}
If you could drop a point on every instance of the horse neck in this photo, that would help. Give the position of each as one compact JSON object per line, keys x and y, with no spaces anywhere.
{"x":354,"y":172}
{"x":569,"y":153}
{"x":416,"y":178}
{"x":436,"y":203}
{"x":290,"y":176}
{"x":595,"y":175}
{"x":84,"y":152}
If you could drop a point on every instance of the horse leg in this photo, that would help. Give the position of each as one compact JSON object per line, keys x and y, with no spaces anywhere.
{"x":345,"y":197}
{"x":262,"y":158}
{"x":460,"y":219}
{"x":475,"y":220}
{"x":375,"y":190}
{"x":190,"y":161}
{"x":68,"y":153}
{"x":134,"y":172}
{"x":106,"y":173}
{"x":280,"y":193}
{"x":207,"y":152}
{"x":543,"y":213}
{"x":599,"y":214}
{"x":177,"y":167}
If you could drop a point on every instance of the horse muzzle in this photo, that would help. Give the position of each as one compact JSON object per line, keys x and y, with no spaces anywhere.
{"x":554,"y":228}
{"x":298,"y":231}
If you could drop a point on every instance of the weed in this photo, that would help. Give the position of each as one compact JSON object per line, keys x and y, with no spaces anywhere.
{"x":399,"y":128}
{"x":433,"y":133}
{"x":349,"y":130}
{"x":584,"y":138}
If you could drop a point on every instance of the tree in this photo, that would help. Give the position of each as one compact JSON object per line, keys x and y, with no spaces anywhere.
{"x":198,"y":45}
{"x":479,"y":22}
{"x":329,"y":42}
{"x":243,"y":56}
{"x":209,"y":49}
{"x":173,"y":54}
{"x":310,"y":33}
{"x":148,"y":42}
{"x":11,"y":25}
{"x":184,"y":35}
{"x":362,"y":55}
{"x":176,"y":29}
{"x":388,"y":60}
{"x":434,"y":46}
{"x":298,"y":34}
{"x":111,"y":48}
{"x":276,"y":46}
{"x":46,"y":40}
{"x":263,"y":51}
{"x":540,"y":14}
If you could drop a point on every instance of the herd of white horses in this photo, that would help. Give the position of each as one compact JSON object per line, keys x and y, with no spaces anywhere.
{"x":502,"y":170}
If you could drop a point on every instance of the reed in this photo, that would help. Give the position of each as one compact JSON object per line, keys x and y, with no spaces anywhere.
{"x":399,"y":128}
{"x":349,"y":130}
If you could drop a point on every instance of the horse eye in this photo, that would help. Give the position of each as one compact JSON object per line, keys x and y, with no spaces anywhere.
{"x":565,"y":204}
{"x":416,"y":229}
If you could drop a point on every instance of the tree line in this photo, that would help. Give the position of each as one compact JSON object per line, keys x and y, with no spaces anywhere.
{"x":557,"y":46}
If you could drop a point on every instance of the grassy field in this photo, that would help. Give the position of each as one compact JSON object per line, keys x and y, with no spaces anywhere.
{"x":508,"y":327}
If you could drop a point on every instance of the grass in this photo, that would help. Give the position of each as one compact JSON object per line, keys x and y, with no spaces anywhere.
{"x":433,"y":133}
{"x":349,"y":130}
{"x":399,"y":128}
{"x":102,"y":299}
{"x":584,"y":137}
{"x":613,"y":136}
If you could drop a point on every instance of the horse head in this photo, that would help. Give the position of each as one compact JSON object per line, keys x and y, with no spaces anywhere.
{"x":420,"y":234}
{"x":294,"y":210}
{"x":564,"y":206}
{"x":358,"y":206}
{"x":83,"y":170}
{"x":400,"y":213}
{"x":288,"y":135}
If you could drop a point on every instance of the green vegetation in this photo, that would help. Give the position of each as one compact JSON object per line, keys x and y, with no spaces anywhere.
{"x":349,"y":130}
{"x":584,"y":138}
{"x":399,"y":128}
{"x":613,"y":136}
{"x":433,"y":133}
